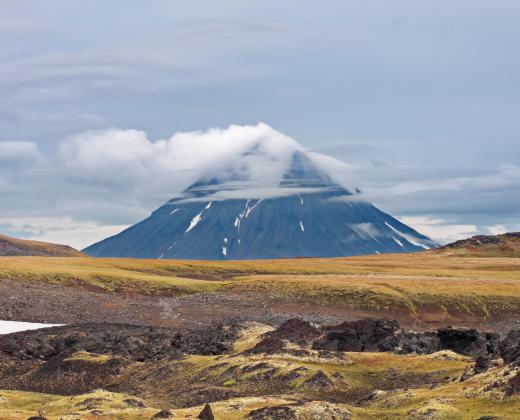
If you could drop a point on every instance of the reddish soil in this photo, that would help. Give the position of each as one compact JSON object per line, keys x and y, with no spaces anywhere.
{"x":38,"y":302}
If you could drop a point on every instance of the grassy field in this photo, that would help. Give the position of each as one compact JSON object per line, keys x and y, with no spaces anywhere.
{"x":409,"y":284}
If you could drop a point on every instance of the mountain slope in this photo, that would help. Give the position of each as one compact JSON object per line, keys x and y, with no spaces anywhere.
{"x":308,"y":215}
{"x":20,"y":247}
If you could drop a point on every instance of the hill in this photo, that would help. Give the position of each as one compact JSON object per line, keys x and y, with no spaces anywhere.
{"x":503,"y":245}
{"x":20,"y":247}
{"x":305,"y":214}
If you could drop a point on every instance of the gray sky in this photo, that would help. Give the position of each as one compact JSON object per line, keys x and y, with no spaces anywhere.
{"x":421,"y":99}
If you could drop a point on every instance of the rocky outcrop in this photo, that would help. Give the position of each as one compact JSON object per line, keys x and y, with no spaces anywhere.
{"x":411,"y":342}
{"x":385,"y":335}
{"x":469,"y":342}
{"x":281,"y":412}
{"x":318,"y":380}
{"x":362,"y":335}
{"x":132,"y":342}
{"x":509,"y":347}
{"x":295,"y":331}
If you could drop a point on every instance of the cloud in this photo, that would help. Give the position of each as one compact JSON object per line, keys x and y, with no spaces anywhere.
{"x":103,"y":180}
{"x":60,"y":230}
{"x":14,"y":153}
{"x":108,"y":178}
{"x":496,"y":229}
{"x":438,"y":229}
{"x":130,"y":160}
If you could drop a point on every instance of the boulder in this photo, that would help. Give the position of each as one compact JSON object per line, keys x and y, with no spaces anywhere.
{"x":163,"y":414}
{"x":206,"y":413}
{"x":482,"y":363}
{"x":280,"y":412}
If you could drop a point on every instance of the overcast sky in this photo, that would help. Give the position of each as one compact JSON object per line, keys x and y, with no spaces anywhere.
{"x":420,"y":98}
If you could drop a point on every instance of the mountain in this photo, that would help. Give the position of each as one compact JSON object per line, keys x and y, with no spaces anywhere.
{"x":503,"y":245}
{"x":21,"y":247}
{"x":306,"y":214}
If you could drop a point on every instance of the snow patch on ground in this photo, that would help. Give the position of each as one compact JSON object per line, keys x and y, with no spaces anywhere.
{"x":224,"y":251}
{"x":398,"y":242}
{"x":174,"y":211}
{"x":250,"y":209}
{"x":8,"y":327}
{"x":302,"y":227}
{"x":194,"y":222}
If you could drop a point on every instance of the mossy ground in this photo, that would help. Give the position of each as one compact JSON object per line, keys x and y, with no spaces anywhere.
{"x":368,"y":385}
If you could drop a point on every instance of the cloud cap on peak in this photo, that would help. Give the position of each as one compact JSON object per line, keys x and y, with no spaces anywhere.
{"x":256,"y":154}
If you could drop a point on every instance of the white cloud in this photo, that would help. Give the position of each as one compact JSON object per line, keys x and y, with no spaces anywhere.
{"x":496,"y":229}
{"x":130,"y":160}
{"x":59,"y":230}
{"x":438,"y":229}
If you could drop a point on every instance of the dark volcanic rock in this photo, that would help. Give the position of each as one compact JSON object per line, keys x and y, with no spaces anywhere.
{"x":163,"y":414}
{"x":362,"y":335}
{"x":133,"y":342}
{"x":36,"y":418}
{"x":468,"y":342}
{"x":134,"y":403}
{"x":419,"y":343}
{"x":513,"y":385}
{"x":206,"y":413}
{"x":280,"y":412}
{"x":269,"y":345}
{"x":295,"y":330}
{"x":482,"y":363}
{"x":509,"y":347}
{"x":318,"y":380}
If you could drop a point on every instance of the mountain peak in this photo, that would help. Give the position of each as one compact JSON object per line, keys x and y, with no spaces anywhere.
{"x":270,"y":199}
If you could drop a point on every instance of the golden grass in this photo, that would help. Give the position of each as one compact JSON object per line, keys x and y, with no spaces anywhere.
{"x":83,"y":356}
{"x":403,"y":282}
{"x":20,"y":405}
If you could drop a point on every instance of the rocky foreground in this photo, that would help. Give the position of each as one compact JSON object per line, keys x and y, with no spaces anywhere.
{"x":368,"y":368}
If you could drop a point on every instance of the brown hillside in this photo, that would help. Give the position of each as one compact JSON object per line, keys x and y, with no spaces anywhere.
{"x":20,"y":247}
{"x":504,"y":245}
